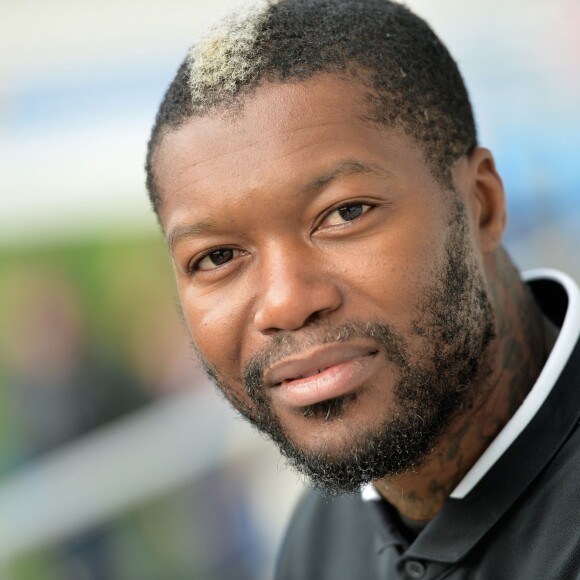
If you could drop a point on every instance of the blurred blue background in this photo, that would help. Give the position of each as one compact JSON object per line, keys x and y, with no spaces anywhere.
{"x":117,"y":459}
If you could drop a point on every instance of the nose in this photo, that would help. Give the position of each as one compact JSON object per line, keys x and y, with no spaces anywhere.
{"x":294,"y":290}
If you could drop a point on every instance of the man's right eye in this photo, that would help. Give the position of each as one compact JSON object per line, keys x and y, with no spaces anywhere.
{"x":213,"y":260}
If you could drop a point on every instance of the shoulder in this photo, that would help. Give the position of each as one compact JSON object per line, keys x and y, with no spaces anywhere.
{"x":328,"y":537}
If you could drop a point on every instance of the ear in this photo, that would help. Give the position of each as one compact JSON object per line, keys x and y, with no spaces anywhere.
{"x":485,"y":198}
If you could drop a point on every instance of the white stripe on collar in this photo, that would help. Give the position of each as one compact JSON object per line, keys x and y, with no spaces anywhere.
{"x":553,"y":368}
{"x":567,"y":339}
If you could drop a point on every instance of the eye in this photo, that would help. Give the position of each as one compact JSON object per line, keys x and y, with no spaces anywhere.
{"x":213,"y":259}
{"x":346,"y":213}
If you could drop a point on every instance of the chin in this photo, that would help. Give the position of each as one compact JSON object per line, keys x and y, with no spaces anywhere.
{"x":333,"y":428}
{"x":341,"y":445}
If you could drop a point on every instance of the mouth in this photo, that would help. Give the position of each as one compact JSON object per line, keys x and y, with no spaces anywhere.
{"x":304,"y":376}
{"x":327,"y":372}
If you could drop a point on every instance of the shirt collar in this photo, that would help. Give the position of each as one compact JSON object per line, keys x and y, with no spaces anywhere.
{"x":463,"y":521}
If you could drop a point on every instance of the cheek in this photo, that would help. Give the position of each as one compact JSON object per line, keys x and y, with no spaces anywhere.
{"x":391,"y":273}
{"x":216,"y":323}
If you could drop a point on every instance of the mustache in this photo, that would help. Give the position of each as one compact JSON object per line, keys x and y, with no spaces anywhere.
{"x":288,"y":343}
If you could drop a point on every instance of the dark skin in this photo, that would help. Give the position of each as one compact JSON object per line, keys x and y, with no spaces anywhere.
{"x":253,"y":207}
{"x":525,"y":339}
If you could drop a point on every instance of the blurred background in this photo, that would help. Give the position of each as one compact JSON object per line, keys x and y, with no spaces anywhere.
{"x":117,"y":460}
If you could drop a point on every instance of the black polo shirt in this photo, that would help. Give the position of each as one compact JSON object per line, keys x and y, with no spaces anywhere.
{"x":516,"y":514}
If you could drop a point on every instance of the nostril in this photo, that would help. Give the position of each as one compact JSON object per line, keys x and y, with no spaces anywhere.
{"x":314,"y":317}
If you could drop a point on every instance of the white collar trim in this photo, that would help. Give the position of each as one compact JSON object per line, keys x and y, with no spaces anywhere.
{"x":553,"y":368}
{"x":567,"y":339}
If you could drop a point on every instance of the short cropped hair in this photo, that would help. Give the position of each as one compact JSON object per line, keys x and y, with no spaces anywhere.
{"x":412,"y":80}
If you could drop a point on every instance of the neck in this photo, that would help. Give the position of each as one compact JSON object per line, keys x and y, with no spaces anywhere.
{"x":516,"y":356}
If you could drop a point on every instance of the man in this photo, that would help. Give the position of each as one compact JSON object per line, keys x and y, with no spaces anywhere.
{"x":336,"y":235}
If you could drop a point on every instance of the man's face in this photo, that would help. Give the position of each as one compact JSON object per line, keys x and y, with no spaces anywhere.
{"x":329,"y":283}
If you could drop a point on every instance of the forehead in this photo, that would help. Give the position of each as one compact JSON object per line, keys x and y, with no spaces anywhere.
{"x":283,"y":135}
{"x":270,"y":110}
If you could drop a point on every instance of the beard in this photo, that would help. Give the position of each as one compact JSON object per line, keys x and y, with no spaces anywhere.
{"x":455,"y":324}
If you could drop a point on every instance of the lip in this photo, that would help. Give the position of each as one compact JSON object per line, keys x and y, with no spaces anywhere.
{"x":326,"y":372}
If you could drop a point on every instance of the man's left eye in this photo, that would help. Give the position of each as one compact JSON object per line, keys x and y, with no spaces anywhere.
{"x":346,"y":213}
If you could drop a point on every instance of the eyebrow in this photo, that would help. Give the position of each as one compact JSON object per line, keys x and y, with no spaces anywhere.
{"x":343,"y":169}
{"x":188,"y":230}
